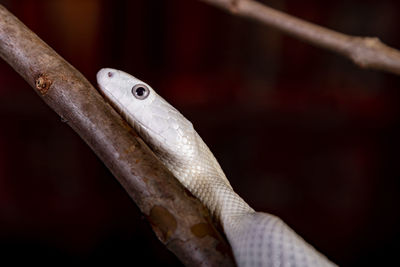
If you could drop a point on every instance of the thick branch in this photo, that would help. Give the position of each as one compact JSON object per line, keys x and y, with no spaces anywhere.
{"x":180,"y":221}
{"x":366,"y":52}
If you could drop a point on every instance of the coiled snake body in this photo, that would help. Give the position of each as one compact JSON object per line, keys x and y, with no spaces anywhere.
{"x":257,"y":238}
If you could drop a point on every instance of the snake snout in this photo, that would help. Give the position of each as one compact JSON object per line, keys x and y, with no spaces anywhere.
{"x":104,"y":74}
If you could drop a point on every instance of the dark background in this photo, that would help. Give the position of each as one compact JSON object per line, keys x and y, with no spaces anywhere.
{"x":300,"y":132}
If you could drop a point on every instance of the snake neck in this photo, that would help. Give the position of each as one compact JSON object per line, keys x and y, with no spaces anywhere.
{"x":224,"y":204}
{"x":200,"y":173}
{"x":193,"y":164}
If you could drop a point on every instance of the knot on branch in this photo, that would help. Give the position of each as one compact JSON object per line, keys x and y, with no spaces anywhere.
{"x":372,"y":41}
{"x":43,"y":83}
{"x":370,"y":52}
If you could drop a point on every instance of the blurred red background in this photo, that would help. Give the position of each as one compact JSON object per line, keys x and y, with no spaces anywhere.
{"x":300,"y":132}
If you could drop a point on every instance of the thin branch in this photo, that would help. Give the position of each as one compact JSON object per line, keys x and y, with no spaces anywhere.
{"x":366,"y":52}
{"x":179,"y":220}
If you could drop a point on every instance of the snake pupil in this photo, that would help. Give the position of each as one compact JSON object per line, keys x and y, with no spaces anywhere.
{"x":140,"y":91}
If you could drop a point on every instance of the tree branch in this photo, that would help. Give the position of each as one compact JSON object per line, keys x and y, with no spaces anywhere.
{"x":179,"y":220}
{"x":366,"y":52}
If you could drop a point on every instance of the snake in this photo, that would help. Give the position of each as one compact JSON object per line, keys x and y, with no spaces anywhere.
{"x":256,"y":238}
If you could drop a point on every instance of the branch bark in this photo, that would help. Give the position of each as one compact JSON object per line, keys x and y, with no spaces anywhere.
{"x":179,"y":220}
{"x":366,"y":52}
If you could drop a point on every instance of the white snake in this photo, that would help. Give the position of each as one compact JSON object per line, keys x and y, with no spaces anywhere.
{"x":257,"y":238}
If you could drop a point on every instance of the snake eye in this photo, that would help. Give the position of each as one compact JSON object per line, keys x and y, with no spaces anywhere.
{"x":140,"y":91}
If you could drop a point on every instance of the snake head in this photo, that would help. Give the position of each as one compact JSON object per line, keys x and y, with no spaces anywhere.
{"x":162,"y":127}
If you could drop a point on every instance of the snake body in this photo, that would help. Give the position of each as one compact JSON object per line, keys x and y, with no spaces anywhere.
{"x":256,"y":238}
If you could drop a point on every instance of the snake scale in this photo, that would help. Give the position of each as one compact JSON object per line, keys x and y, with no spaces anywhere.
{"x":256,"y":238}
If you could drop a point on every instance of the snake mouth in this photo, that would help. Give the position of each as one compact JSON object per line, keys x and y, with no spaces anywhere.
{"x":142,"y":130}
{"x":110,"y":98}
{"x":115,"y":104}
